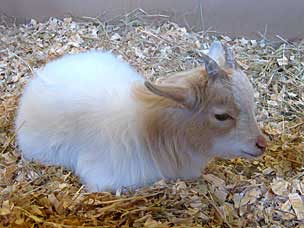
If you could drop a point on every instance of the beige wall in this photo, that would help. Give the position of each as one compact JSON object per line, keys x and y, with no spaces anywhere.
{"x":234,"y":17}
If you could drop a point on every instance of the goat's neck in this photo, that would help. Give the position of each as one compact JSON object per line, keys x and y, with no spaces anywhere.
{"x":164,"y":133}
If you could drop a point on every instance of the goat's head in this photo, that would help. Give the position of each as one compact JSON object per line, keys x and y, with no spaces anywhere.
{"x":217,"y":103}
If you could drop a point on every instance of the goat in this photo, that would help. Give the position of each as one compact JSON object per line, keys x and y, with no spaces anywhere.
{"x":94,"y":114}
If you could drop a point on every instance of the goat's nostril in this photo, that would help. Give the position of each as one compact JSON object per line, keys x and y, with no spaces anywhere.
{"x":261,"y":143}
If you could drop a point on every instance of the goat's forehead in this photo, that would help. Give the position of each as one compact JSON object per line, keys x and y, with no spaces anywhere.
{"x":242,"y":91}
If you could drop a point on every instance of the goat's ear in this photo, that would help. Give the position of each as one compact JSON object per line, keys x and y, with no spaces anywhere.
{"x":180,"y":95}
{"x":222,"y":55}
{"x":229,"y":58}
{"x":212,"y":68}
{"x":217,"y":53}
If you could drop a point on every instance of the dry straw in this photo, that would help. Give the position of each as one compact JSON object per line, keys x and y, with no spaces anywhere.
{"x":238,"y":193}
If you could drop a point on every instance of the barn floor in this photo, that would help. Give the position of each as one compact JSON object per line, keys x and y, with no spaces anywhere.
{"x":237,"y":193}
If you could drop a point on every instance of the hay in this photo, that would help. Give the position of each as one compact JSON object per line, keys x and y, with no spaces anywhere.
{"x":237,"y":193}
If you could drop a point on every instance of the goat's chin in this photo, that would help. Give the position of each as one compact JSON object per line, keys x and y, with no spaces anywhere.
{"x":250,"y":155}
{"x":227,"y":156}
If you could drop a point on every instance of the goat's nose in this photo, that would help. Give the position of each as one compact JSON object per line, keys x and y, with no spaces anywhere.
{"x":261,"y":142}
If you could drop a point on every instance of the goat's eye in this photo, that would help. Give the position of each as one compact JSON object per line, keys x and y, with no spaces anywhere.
{"x":222,"y":117}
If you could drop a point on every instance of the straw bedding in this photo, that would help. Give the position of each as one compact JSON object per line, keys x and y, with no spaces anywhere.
{"x":237,"y":193}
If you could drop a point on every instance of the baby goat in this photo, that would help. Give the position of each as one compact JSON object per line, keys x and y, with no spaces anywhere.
{"x":92,"y":113}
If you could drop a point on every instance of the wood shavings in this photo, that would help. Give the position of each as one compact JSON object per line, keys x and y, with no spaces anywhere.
{"x":279,"y":187}
{"x":230,"y":193}
{"x":297,"y":204}
{"x":283,"y":61}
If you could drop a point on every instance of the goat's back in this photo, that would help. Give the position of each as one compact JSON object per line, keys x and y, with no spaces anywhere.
{"x":67,"y":103}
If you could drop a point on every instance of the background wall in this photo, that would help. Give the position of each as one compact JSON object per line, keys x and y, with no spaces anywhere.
{"x":234,"y":17}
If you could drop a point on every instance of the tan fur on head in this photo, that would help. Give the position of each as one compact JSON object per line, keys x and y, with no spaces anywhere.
{"x":179,"y":116}
{"x":195,"y":78}
{"x":174,"y":130}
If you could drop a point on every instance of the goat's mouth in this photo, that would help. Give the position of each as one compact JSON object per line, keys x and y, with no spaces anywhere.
{"x":253,"y":155}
